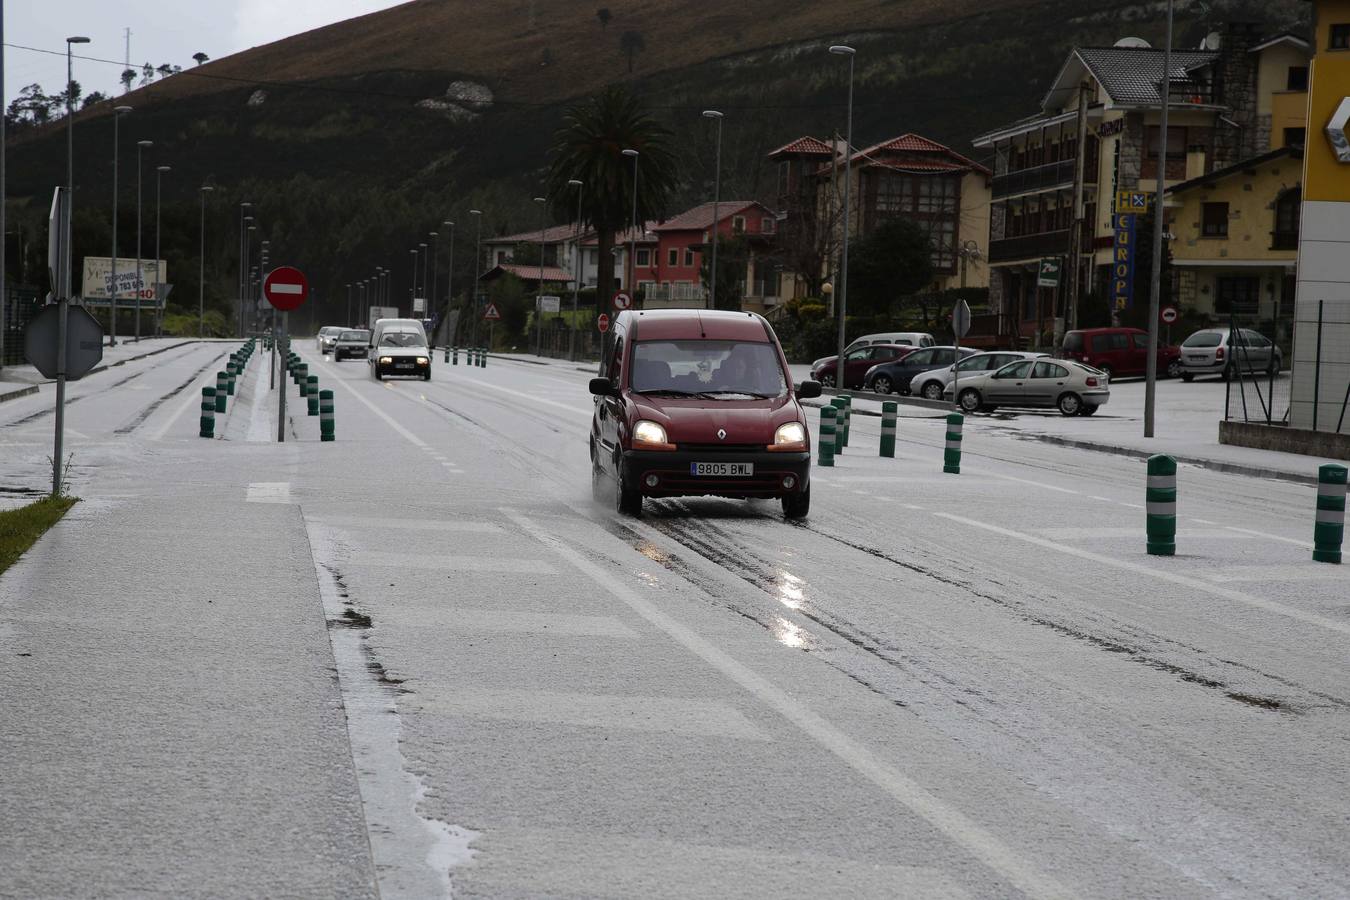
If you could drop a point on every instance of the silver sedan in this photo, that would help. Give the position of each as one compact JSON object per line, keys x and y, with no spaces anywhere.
{"x":932,"y":384}
{"x":1072,"y":388}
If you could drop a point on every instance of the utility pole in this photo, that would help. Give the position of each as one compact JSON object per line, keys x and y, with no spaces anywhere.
{"x":716,"y":221}
{"x":1155,"y":281}
{"x":841,"y":289}
{"x":631,"y":285}
{"x":118,"y":112}
{"x":1076,"y":235}
{"x":63,"y":274}
{"x":140,"y":278}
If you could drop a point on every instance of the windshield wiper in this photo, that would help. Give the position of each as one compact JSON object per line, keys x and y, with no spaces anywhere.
{"x":753,"y":394}
{"x":670,"y":392}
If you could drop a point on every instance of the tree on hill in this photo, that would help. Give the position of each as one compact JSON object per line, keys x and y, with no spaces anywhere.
{"x":604,"y":15}
{"x":200,"y":57}
{"x":632,"y":43}
{"x":895,"y":260}
{"x":93,"y":97}
{"x":588,"y":147}
{"x":147,"y":74}
{"x":128,"y":76}
{"x":164,"y":70}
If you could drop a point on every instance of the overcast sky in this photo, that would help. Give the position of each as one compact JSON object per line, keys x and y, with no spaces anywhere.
{"x":162,"y":31}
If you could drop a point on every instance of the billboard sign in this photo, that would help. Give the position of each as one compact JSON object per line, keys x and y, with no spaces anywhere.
{"x":97,"y":284}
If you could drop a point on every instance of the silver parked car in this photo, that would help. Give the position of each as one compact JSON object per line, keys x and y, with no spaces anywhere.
{"x":1217,"y":351}
{"x":1073,"y":388}
{"x":931,"y":385}
{"x":327,"y":337}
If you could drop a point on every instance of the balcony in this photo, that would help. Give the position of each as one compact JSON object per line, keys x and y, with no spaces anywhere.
{"x":1038,"y":178}
{"x":1029,"y":246}
{"x":674,"y":296}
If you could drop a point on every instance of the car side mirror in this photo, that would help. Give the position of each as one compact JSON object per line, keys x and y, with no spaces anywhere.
{"x":603,"y":387}
{"x":808,"y":390}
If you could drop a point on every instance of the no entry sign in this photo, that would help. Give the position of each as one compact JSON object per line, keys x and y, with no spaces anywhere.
{"x":602,"y":322}
{"x":285,"y":288}
{"x":1169,"y":315}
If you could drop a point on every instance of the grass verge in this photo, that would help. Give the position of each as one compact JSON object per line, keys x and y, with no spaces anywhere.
{"x":20,"y":528}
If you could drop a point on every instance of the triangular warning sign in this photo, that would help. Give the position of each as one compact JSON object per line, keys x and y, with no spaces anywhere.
{"x":491,"y":312}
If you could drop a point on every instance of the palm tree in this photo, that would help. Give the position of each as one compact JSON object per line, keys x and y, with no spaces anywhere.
{"x":589,"y":147}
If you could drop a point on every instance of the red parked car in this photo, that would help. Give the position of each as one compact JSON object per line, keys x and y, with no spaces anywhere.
{"x":857,"y":362}
{"x":698,"y":402}
{"x":1119,"y":351}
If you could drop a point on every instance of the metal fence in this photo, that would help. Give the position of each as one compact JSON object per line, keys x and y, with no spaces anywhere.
{"x":1257,"y":390}
{"x":583,"y":345}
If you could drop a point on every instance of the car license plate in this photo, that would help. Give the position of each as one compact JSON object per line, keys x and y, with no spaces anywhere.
{"x":722,"y":470}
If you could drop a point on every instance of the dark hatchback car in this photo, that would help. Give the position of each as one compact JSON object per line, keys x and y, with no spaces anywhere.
{"x":857,"y":362}
{"x":894,"y":377}
{"x":698,"y":402}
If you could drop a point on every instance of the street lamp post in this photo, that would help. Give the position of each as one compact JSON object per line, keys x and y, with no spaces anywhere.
{"x":435,"y":273}
{"x":140,"y":278}
{"x":413,"y":292}
{"x":244,"y":219}
{"x":477,"y":270}
{"x":63,"y":273}
{"x":631,"y":286}
{"x":159,"y":275}
{"x":1155,"y":280}
{"x":842,"y":287}
{"x":201,"y":266}
{"x":248,"y":269}
{"x":539,"y":295}
{"x":118,"y":112}
{"x":449,"y":278}
{"x":423,"y":257}
{"x":717,"y":195}
{"x":576,"y":275}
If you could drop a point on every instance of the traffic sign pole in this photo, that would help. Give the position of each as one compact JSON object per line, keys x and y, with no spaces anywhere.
{"x":281,"y":395}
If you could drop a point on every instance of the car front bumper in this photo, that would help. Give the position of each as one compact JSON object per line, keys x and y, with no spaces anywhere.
{"x":674,"y":473}
{"x":417,"y":370}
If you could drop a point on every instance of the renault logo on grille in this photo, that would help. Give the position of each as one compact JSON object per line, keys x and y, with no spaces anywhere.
{"x":721,"y":434}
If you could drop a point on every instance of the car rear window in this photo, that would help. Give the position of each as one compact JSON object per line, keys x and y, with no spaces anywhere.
{"x":1204,"y":339}
{"x":726,"y":369}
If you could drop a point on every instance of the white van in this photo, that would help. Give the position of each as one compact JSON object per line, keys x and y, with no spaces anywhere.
{"x":907,"y":338}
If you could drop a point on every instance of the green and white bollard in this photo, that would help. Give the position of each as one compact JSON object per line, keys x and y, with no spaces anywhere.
{"x":231,"y":373}
{"x":447,"y":353}
{"x":951,"y":454}
{"x":482,"y":358}
{"x":825,"y":454}
{"x":222,"y":390}
{"x":848,"y":416}
{"x":839,"y":404}
{"x":890,"y":410}
{"x":1160,"y":506}
{"x":1329,"y":531}
{"x":302,"y":378}
{"x":208,"y":423}
{"x":326,"y":424}
{"x":312,"y":394}
{"x":454,"y":356}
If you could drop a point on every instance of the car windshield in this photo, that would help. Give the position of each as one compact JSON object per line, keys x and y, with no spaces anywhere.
{"x":401,"y":339}
{"x":362,"y":336}
{"x":1204,"y":339}
{"x":725,"y":370}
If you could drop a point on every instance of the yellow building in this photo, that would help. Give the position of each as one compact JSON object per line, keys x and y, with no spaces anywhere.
{"x":1235,"y":239}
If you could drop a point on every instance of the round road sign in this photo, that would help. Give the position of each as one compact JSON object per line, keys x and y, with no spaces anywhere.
{"x":1169,"y":315}
{"x":602,"y":322}
{"x":285,"y":288}
{"x":622,"y":301}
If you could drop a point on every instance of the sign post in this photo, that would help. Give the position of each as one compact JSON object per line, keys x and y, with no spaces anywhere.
{"x":286,"y":288}
{"x":960,"y":327}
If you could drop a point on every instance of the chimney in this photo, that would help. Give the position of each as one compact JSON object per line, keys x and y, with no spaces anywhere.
{"x":1195,"y":161}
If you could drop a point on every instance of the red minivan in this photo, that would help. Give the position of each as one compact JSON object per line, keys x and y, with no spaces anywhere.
{"x":1119,"y":351}
{"x":695,"y":402}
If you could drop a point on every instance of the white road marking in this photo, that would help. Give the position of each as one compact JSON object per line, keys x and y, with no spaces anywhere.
{"x":1039,"y":484}
{"x":454,"y":563}
{"x":269,"y":492}
{"x":1311,"y":572}
{"x":1204,"y":522}
{"x":978,"y":841}
{"x":1174,"y":577}
{"x":658,"y":715}
{"x":460,"y":525}
{"x":408,"y":435}
{"x":1307,"y":545}
{"x":1102,"y":499}
{"x":452,"y":619}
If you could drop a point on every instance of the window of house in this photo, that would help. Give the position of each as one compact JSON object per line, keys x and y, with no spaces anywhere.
{"x":1340,"y":37}
{"x":1288,"y":207}
{"x":1294,"y":137}
{"x":503,"y":256}
{"x":1214,"y":220}
{"x":1237,"y":294}
{"x":644,"y":257}
{"x":766,"y":225}
{"x":738,"y":223}
{"x":1176,"y":142}
{"x":688,"y":256}
{"x":673,"y":257}
{"x":1298,"y":79}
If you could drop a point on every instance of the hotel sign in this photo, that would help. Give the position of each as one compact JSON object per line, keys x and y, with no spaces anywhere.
{"x":1129,"y":204}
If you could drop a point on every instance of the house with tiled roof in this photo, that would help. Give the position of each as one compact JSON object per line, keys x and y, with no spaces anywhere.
{"x":684,"y":239}
{"x":575,"y":253}
{"x":910,"y":176}
{"x":1235,"y":98}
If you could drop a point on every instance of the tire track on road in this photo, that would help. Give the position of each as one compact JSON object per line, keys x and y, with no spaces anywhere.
{"x":139,"y":420}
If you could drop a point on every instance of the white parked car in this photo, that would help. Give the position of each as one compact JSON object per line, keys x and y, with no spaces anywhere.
{"x":931,"y":385}
{"x":328,"y":336}
{"x":1073,"y":388}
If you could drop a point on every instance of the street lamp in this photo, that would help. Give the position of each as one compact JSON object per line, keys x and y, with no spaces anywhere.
{"x":248,"y":259}
{"x":632,"y":238}
{"x":477,"y":270}
{"x":1155,"y":279}
{"x":244,"y":218}
{"x":413,"y":292}
{"x":422,"y":249}
{"x":201,"y":266}
{"x":435,"y":272}
{"x":118,"y":112}
{"x":450,"y":278}
{"x":576,"y":280}
{"x":844,"y":50}
{"x":539,"y":295}
{"x":717,"y":191}
{"x":159,"y":276}
{"x":140,"y":285}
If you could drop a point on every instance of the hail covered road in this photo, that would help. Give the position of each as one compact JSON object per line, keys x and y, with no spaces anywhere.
{"x":974,"y":685}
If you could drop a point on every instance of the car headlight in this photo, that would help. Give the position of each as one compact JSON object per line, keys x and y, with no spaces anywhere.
{"x":648,"y":435}
{"x":790,"y":437}
{"x":422,"y":361}
{"x":386,"y":359}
